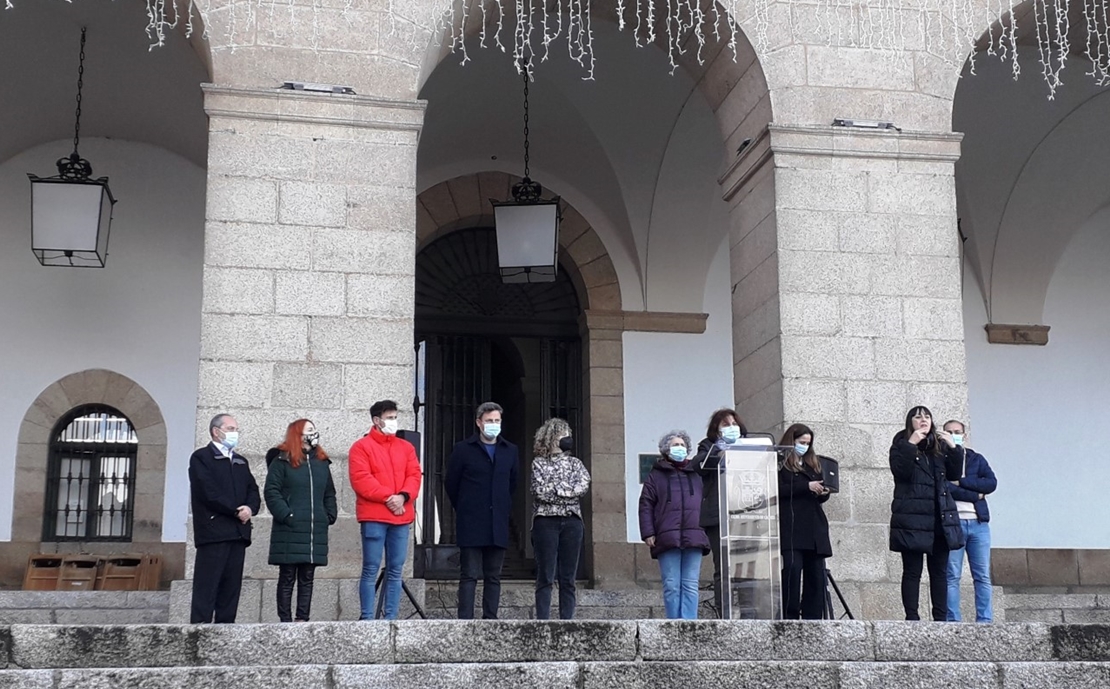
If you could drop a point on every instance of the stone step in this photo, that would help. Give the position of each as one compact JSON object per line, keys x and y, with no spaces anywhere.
{"x":450,"y":641}
{"x":588,"y":675}
{"x":601,"y":655}
{"x":1044,"y":601}
{"x":338,"y":600}
{"x":1058,"y":607}
{"x":84,"y":607}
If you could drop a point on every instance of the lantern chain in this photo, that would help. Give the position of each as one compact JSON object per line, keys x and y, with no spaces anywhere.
{"x":526,"y":191}
{"x":74,"y":167}
{"x":80,"y":85}
{"x":524,"y":72}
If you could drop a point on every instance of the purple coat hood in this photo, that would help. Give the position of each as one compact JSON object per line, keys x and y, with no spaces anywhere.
{"x":670,"y":508}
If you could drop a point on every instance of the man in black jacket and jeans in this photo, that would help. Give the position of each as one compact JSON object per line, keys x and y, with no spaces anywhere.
{"x":225,"y":497}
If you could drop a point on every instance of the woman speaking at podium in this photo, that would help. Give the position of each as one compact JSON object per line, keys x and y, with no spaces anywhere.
{"x":725,"y":428}
{"x":803,"y":527}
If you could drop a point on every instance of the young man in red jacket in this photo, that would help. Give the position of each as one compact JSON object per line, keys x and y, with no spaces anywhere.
{"x":385,"y":475}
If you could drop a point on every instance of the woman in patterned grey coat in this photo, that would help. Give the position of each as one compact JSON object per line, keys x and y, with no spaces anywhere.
{"x":559,"y":479}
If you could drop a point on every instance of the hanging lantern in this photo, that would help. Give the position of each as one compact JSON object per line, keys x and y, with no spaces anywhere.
{"x":527,"y":235}
{"x":528,"y":226}
{"x":71,"y":213}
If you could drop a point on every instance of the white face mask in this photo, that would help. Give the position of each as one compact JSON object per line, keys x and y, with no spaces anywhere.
{"x":389,"y":426}
{"x":231,"y":439}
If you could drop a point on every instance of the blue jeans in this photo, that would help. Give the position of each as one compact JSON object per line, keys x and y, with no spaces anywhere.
{"x":393,"y":540}
{"x":680,"y":569}
{"x":977,"y":534}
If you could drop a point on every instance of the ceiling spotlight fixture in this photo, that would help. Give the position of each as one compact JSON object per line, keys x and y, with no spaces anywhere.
{"x":864,"y":124}
{"x":317,"y":88}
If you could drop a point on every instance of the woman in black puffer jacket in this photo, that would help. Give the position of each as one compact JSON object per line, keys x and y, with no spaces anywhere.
{"x":924,"y":523}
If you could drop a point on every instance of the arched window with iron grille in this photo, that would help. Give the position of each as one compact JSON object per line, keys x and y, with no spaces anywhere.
{"x":90,"y":482}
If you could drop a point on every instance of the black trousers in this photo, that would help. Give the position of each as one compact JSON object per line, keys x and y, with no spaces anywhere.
{"x":714,"y":534}
{"x":557,"y":542}
{"x":938,"y":580}
{"x":217,"y":581}
{"x":302,"y":575}
{"x":803,"y":585}
{"x":484,"y":562}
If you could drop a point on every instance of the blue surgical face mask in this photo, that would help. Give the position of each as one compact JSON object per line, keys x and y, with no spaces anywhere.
{"x":231,"y":439}
{"x":491,"y":430}
{"x":958,"y":439}
{"x":730,"y":433}
{"x":677,"y":453}
{"x":801,"y":449}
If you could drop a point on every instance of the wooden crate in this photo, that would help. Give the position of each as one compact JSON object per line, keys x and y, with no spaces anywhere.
{"x":120,"y":573}
{"x":43,"y":572}
{"x":78,"y":573}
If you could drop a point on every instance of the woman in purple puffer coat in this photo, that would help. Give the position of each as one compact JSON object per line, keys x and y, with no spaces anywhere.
{"x":670,"y":509}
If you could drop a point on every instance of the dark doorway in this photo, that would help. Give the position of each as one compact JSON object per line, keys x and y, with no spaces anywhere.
{"x":479,"y":339}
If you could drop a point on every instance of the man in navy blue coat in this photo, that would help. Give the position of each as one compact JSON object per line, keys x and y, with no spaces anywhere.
{"x":970,"y":492}
{"x":225,"y":497}
{"x":481,"y":480}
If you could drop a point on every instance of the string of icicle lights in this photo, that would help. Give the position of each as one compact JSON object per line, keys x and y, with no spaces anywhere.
{"x":953,"y":31}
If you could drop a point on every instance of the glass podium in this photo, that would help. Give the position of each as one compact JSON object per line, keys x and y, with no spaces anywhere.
{"x":751,"y":565}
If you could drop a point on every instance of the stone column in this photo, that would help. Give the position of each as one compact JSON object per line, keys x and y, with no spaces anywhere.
{"x":308,"y":277}
{"x":847,"y":312}
{"x":609,"y":555}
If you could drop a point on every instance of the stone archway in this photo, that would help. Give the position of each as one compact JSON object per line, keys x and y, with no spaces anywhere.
{"x":463,"y":202}
{"x":1026,"y":183}
{"x":92,"y":386}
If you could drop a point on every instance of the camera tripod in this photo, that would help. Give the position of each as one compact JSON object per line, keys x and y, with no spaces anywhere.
{"x":829,"y":613}
{"x":380,"y":603}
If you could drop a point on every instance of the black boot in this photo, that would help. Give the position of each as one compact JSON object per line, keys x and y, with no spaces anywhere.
{"x":287,"y":574}
{"x":305,"y":576}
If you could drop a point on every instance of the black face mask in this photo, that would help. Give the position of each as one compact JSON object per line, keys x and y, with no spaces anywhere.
{"x":566,"y":444}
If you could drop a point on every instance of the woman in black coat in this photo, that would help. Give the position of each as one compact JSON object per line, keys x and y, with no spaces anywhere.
{"x":924,"y":523}
{"x":300,"y":494}
{"x":803,"y":527}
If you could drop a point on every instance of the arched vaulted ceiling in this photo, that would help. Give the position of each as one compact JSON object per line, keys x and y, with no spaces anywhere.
{"x":1032,"y":171}
{"x":130,"y":91}
{"x":637,"y":151}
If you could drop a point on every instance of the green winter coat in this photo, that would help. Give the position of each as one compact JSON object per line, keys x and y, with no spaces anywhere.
{"x":302,"y":501}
